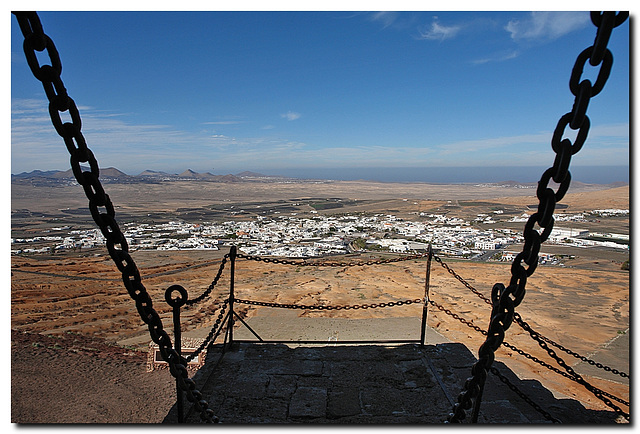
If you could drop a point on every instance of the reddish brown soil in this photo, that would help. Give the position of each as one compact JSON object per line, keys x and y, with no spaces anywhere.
{"x":75,"y":379}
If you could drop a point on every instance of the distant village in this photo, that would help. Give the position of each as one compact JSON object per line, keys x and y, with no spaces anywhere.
{"x":302,"y":237}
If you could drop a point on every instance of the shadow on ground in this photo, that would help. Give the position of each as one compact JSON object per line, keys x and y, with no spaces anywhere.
{"x":364,"y":384}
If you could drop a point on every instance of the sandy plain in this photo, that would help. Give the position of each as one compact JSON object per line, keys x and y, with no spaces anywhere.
{"x":584,"y":305}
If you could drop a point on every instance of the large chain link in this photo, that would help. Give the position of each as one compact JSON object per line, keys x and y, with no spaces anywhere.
{"x":506,"y":299}
{"x":100,"y":205}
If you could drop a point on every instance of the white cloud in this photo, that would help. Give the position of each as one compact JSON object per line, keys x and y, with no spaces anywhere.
{"x":440,"y":32}
{"x":291,"y":116}
{"x":386,"y":18}
{"x":133,"y":148}
{"x":547,"y":25}
{"x":497,"y":57}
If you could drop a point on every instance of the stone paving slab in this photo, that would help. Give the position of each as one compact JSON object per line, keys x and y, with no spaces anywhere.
{"x":363,"y":384}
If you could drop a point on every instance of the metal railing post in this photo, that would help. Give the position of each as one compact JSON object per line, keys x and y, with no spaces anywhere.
{"x":425,"y":308}
{"x":176,"y":304}
{"x":232,"y":256}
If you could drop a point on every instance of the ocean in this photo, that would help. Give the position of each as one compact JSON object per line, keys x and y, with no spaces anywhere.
{"x":456,"y":175}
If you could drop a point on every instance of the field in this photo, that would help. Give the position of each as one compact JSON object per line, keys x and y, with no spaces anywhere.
{"x":583,"y":305}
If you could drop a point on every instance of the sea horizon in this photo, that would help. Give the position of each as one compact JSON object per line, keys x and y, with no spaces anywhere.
{"x":455,"y":175}
{"x":431,"y":175}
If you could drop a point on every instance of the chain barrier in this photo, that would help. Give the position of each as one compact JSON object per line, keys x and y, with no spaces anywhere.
{"x":206,"y":293}
{"x":320,"y":307}
{"x":100,"y":205}
{"x":556,"y":370}
{"x":516,"y":315}
{"x":506,"y":381}
{"x":520,"y":322}
{"x":459,"y":278}
{"x":506,"y":344}
{"x":213,"y":331}
{"x":522,"y":395}
{"x":329,"y":263}
{"x":596,"y":392}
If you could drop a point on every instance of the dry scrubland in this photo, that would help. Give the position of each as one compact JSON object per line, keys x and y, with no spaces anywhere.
{"x":583,"y":306}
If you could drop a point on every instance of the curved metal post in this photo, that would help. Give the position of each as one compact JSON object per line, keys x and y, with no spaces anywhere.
{"x":176,"y":304}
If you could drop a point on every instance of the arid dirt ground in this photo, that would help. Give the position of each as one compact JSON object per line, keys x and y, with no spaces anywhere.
{"x":71,"y":316}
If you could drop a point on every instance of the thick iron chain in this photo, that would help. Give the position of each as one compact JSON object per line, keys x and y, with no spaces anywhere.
{"x":101,"y":207}
{"x":329,"y":263}
{"x":506,"y":299}
{"x":320,"y":307}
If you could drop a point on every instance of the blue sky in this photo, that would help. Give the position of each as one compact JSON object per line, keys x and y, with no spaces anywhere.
{"x":231,"y":91}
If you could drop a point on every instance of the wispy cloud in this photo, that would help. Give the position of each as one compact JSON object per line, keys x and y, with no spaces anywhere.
{"x":386,"y":18}
{"x":546,"y":25}
{"x":439,"y":32}
{"x":497,"y":57}
{"x":290,"y":116}
{"x":133,"y":148}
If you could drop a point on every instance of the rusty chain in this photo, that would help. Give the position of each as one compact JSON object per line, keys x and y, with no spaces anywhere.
{"x":321,"y":307}
{"x":100,"y":205}
{"x":516,"y":315}
{"x":506,"y":299}
{"x":329,"y":263}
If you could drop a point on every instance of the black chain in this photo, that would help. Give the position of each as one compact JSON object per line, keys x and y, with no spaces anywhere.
{"x":526,"y":355}
{"x":516,"y":315}
{"x":459,"y":278}
{"x":521,"y":323}
{"x":206,"y":293}
{"x":506,"y":299}
{"x":214,"y":329}
{"x":320,"y":307}
{"x":329,"y":263}
{"x":101,"y":207}
{"x":578,"y":378}
{"x":470,"y":324}
{"x":522,"y":395}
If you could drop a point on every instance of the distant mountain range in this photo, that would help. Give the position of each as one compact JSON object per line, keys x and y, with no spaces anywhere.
{"x":111,"y":174}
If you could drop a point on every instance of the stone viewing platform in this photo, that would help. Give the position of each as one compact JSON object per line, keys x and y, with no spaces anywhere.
{"x":328,"y":383}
